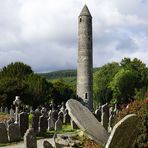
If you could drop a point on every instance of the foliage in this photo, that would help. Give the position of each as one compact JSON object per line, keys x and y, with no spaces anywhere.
{"x":140,"y":94}
{"x":123,"y":86}
{"x":71,"y":81}
{"x":18,"y":79}
{"x":138,"y":68}
{"x":38,"y":90}
{"x":9,"y":88}
{"x":141,"y":110}
{"x":120,"y":82}
{"x":102,"y":78}
{"x":17,"y":69}
{"x":62,"y":91}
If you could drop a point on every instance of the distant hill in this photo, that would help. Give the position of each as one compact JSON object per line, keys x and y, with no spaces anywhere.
{"x":61,"y":74}
{"x":69,"y":76}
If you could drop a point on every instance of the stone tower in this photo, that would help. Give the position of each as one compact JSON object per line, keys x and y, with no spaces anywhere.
{"x":85,"y":58}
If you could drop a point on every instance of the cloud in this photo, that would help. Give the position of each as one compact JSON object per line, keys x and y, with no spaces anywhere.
{"x":43,"y":34}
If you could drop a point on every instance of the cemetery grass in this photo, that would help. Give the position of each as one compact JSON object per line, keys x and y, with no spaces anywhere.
{"x":10,"y":143}
{"x":65,"y":129}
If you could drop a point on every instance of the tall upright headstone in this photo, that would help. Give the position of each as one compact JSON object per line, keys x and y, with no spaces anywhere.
{"x":85,"y":58}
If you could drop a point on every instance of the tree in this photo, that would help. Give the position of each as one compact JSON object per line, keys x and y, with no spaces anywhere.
{"x":123,"y":86}
{"x":102,"y":79}
{"x":138,"y":68}
{"x":17,"y":69}
{"x":9,"y":88}
{"x":62,"y":91}
{"x":39,"y":90}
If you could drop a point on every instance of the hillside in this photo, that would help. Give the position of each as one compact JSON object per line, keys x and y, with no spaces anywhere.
{"x":70,"y":73}
{"x":59,"y":74}
{"x":69,"y":76}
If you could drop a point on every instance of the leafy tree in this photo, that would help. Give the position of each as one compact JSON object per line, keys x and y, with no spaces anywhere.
{"x":123,"y":86}
{"x":9,"y":88}
{"x":39,"y":90}
{"x":102,"y":78}
{"x":62,"y":92}
{"x":17,"y":69}
{"x":138,"y":68}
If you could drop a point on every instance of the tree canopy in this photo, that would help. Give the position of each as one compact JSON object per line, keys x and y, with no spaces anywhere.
{"x":18,"y":79}
{"x":120,"y":81}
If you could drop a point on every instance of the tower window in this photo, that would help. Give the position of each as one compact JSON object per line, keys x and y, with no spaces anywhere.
{"x":80,"y":19}
{"x":85,"y":95}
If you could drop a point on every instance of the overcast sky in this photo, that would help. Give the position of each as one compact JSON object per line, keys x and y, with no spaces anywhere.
{"x":43,"y":33}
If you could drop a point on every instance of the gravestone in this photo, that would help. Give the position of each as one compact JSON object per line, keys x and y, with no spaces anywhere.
{"x":110,"y":124}
{"x":124,"y":133}
{"x":23,"y":122}
{"x":14,"y":132}
{"x":3,"y":133}
{"x":30,"y":139}
{"x":73,"y":125}
{"x":43,"y":124}
{"x":62,"y":109}
{"x":58,"y":124}
{"x":51,"y":124}
{"x":87,"y":122}
{"x":61,"y":116}
{"x":43,"y":111}
{"x":104,"y":120}
{"x":6,"y":110}
{"x":105,"y":109}
{"x":111,"y":111}
{"x":35,"y":121}
{"x":98,"y":114}
{"x":11,"y":120}
{"x":1,"y":109}
{"x":54,"y":115}
{"x":115,"y":110}
{"x":11,"y":112}
{"x":46,"y":144}
{"x":67,"y":118}
{"x":49,"y":113}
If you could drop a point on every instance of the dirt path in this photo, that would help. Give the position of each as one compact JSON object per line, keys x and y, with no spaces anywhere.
{"x":21,"y":144}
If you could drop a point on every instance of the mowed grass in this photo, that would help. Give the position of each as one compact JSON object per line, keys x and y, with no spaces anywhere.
{"x":65,"y":129}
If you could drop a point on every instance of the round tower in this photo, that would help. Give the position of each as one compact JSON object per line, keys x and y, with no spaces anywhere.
{"x":85,"y":58}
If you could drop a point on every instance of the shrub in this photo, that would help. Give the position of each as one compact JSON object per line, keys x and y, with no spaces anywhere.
{"x":140,"y":108}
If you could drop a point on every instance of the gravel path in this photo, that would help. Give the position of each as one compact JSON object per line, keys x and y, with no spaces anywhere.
{"x":21,"y":144}
{"x":63,"y":139}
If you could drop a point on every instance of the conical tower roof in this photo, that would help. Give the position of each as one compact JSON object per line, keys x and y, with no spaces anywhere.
{"x":85,"y":11}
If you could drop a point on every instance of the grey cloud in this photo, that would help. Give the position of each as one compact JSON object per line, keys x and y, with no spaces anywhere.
{"x":43,"y":34}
